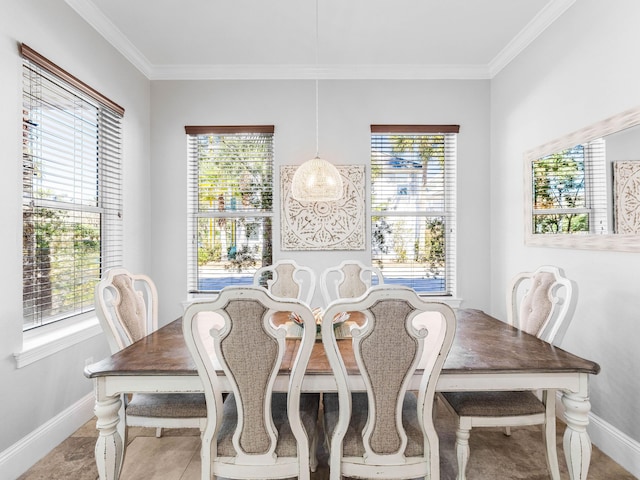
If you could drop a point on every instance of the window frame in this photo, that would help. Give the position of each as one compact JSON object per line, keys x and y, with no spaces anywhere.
{"x":48,"y":337}
{"x":53,"y":146}
{"x":448,"y":211}
{"x":195,"y":213}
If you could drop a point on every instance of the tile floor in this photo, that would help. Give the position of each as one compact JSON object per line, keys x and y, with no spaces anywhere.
{"x":175,"y":456}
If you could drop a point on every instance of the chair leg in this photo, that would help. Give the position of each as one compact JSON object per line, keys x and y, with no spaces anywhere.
{"x":304,"y":473}
{"x":462,"y":449}
{"x":158,"y":432}
{"x":335,"y":454}
{"x":313,"y":453}
{"x":549,"y":434}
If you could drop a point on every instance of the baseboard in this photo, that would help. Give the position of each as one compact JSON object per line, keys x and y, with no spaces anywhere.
{"x":21,"y":456}
{"x":623,"y":449}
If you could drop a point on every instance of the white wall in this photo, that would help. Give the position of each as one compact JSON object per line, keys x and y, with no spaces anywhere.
{"x":347,"y":109}
{"x":583,"y":69}
{"x":33,"y":395}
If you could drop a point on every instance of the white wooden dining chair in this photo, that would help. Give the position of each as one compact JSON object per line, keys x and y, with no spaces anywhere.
{"x":127,"y":309}
{"x":254,"y":433}
{"x":349,"y":279}
{"x":387,"y":431}
{"x":287,"y":279}
{"x":540,"y":303}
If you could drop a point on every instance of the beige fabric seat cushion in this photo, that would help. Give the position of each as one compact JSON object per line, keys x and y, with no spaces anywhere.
{"x":494,"y":404}
{"x":352,"y":443}
{"x":286,"y":446}
{"x":167,"y":405}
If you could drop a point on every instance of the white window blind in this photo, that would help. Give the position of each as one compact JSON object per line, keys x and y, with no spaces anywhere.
{"x":72,"y":209}
{"x":570,"y":191}
{"x":230,"y":204}
{"x":413,"y":205}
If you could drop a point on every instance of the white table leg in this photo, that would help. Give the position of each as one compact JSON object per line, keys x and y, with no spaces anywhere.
{"x":109,"y":447}
{"x":576,"y":442}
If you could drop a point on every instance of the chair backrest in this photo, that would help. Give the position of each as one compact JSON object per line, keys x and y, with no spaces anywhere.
{"x":350,"y":279}
{"x":249,"y":348}
{"x":126,"y":306}
{"x":401,"y":333}
{"x":287,"y":279}
{"x":540,"y":302}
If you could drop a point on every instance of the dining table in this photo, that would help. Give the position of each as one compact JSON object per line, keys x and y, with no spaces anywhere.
{"x":487,"y":354}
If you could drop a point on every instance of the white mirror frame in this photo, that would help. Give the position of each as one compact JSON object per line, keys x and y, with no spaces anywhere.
{"x":618,"y":242}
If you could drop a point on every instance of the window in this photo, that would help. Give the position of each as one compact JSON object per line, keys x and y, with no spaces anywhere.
{"x":570,"y":191}
{"x":230,"y":204}
{"x":413,"y":205}
{"x":71,"y":203}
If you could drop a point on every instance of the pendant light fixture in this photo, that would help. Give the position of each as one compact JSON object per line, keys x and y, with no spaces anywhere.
{"x":316,"y":180}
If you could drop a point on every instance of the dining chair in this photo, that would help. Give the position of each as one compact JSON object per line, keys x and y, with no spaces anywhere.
{"x":254,"y":433}
{"x":539,"y":303}
{"x":127,"y":309}
{"x":350,"y":279}
{"x":386,"y":431}
{"x":287,"y":279}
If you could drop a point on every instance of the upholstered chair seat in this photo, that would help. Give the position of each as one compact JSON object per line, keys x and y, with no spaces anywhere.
{"x":286,"y":444}
{"x":353,"y":445}
{"x":486,"y":404}
{"x":158,"y":405}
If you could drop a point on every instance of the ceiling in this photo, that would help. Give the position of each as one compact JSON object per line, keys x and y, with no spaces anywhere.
{"x":355,"y":39}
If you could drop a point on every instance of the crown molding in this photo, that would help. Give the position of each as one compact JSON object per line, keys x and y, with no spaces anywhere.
{"x":545,"y":17}
{"x":112,"y":34}
{"x":94,"y":17}
{"x":320,"y":72}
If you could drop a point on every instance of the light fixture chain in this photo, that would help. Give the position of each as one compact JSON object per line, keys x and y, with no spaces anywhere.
{"x":317,"y":124}
{"x":316,"y":180}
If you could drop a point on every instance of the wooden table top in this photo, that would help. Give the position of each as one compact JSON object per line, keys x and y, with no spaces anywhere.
{"x":482,"y":344}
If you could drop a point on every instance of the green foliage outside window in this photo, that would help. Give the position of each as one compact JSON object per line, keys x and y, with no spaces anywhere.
{"x":60,"y":243}
{"x":235,"y":190}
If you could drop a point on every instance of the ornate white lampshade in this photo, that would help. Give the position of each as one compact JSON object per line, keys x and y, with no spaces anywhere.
{"x":316,"y":180}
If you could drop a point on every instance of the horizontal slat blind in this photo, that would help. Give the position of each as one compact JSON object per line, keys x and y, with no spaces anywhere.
{"x":413,"y":206}
{"x":230,"y":189}
{"x":570,"y":190}
{"x":72,"y":226}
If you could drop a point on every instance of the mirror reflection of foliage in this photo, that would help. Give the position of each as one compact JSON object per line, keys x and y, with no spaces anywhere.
{"x":561,"y":223}
{"x":559,"y":183}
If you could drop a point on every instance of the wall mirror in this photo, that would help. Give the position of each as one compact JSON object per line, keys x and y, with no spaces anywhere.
{"x":583,"y":190}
